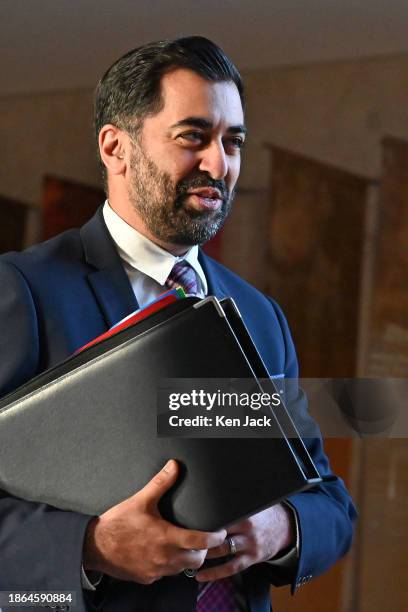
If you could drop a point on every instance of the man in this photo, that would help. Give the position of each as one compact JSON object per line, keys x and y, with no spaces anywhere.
{"x":169,"y":119}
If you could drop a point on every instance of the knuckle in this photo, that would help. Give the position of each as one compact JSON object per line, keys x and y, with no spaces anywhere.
{"x":195,"y":542}
{"x":203,"y":554}
{"x":160,"y":542}
{"x":204,"y":543}
{"x":153,"y":576}
{"x":247,"y":524}
{"x":240,"y":565}
{"x":148,"y":579}
{"x":209,"y":541}
{"x":176,"y":566}
{"x":197,"y":561}
{"x":160,"y":560}
{"x":159,"y":479}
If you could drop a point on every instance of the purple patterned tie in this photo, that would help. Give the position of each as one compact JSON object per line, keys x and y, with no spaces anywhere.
{"x":183,"y":275}
{"x":216,"y":596}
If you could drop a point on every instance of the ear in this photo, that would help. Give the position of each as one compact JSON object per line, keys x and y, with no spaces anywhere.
{"x":112,"y":148}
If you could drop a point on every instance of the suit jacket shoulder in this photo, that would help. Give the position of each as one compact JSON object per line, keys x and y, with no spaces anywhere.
{"x":71,"y":289}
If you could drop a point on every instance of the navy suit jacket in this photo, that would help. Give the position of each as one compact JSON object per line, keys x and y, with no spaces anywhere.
{"x":54,"y":298}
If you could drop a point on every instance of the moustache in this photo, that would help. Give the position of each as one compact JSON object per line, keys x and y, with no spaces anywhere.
{"x":184,"y":186}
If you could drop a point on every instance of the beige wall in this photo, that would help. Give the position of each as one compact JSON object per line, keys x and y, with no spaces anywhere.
{"x":45,"y":134}
{"x":336,"y":112}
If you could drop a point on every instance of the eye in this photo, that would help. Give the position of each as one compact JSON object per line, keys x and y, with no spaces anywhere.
{"x":193,"y":137}
{"x":235,"y":143}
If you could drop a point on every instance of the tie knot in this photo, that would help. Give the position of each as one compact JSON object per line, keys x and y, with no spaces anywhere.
{"x":183,"y":275}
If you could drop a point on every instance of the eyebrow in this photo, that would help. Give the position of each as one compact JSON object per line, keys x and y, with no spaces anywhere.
{"x":204,"y":124}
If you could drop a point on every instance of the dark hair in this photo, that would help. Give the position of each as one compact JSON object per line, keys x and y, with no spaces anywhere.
{"x":129,"y":90}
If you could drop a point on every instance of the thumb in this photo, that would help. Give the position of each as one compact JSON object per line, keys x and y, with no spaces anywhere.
{"x":161,"y":482}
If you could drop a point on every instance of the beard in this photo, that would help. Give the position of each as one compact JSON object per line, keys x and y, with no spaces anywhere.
{"x":161,"y":203}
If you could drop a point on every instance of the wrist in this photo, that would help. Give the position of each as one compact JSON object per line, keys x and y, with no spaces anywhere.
{"x":288,"y":529}
{"x":91,"y":555}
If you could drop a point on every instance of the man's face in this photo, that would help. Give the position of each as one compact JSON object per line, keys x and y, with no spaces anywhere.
{"x":185,"y":160}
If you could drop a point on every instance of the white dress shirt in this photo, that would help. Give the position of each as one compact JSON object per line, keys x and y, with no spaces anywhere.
{"x":147,"y":265}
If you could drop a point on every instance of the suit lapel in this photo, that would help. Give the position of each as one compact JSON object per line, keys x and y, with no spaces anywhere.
{"x":215,"y":285}
{"x":108,"y":280}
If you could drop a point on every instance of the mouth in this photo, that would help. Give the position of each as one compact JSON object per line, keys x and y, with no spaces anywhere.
{"x":205,"y":198}
{"x":207,"y":192}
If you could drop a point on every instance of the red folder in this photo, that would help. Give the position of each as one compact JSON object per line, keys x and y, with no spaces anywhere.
{"x":161,"y":302}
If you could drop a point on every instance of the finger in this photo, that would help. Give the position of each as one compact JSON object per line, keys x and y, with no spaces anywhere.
{"x":238,"y":564}
{"x":161,"y":482}
{"x":241,"y":527}
{"x":181,"y":561}
{"x":192,"y":559}
{"x":224,"y":550}
{"x":218,"y":551}
{"x":190,"y":539}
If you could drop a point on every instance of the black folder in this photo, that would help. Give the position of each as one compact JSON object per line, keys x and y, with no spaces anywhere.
{"x":83,"y":435}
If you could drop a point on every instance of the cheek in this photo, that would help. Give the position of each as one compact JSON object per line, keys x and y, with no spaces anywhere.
{"x":233,"y":173}
{"x":180,"y":164}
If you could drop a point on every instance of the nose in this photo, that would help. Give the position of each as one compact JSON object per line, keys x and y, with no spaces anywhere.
{"x":214,"y":160}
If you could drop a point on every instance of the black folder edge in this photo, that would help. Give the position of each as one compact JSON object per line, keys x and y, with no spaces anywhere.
{"x":260,"y":371}
{"x":283,"y":419}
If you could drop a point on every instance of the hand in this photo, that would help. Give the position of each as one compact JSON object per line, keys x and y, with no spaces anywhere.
{"x":131,"y":541}
{"x":258,"y":538}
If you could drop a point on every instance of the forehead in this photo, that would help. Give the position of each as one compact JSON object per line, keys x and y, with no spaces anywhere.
{"x":187,"y":94}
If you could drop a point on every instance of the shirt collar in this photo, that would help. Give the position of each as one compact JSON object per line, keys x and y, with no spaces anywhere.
{"x":143,"y":254}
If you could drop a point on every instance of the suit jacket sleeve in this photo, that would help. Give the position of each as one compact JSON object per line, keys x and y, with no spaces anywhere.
{"x":326,"y":512}
{"x":41,"y":547}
